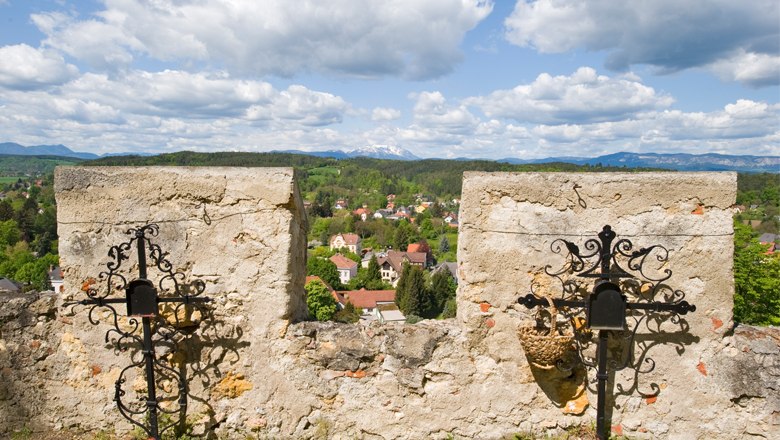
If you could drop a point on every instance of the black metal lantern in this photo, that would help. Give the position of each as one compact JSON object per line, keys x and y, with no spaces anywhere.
{"x":606,"y":307}
{"x":141,"y":299}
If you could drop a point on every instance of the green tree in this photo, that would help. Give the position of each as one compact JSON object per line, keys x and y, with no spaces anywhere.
{"x":415,"y":298}
{"x":756,"y":280}
{"x":450,"y":309}
{"x":35,"y":274}
{"x":325,"y":269}
{"x":320,"y":229}
{"x":444,"y":244}
{"x":405,"y":233}
{"x":427,"y":230}
{"x":323,"y":204}
{"x":17,"y":256}
{"x":9,"y":234}
{"x":322,"y":305}
{"x":374,"y":272}
{"x":442,"y":289}
{"x":6,"y":210}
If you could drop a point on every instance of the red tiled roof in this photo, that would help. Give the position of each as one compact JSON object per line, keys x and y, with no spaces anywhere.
{"x":342,"y":262}
{"x":367,"y":299}
{"x":421,"y":246}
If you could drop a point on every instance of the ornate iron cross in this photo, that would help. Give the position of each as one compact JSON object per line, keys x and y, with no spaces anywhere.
{"x":182,"y":304}
{"x":606,"y":306}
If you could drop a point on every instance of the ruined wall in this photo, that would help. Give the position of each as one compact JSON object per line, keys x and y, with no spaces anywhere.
{"x":257,"y":373}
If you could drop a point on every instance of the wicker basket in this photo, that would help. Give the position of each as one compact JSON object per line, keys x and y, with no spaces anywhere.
{"x":544,"y":346}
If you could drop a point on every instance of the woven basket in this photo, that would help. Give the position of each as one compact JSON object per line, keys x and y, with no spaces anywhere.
{"x":544,"y":346}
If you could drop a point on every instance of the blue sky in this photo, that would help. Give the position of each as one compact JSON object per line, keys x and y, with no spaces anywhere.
{"x":440,"y":78}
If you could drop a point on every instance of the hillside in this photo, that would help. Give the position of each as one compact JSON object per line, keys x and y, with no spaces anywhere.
{"x":358,"y":177}
{"x":23,"y":165}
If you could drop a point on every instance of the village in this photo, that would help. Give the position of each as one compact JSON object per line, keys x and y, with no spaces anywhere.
{"x":370,"y":273}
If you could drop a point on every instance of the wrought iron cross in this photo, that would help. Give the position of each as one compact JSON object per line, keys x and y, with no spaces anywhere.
{"x":607,"y":306}
{"x":143,"y":299}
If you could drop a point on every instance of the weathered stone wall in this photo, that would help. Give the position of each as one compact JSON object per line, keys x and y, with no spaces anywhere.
{"x":509,"y":222}
{"x":241,"y":231}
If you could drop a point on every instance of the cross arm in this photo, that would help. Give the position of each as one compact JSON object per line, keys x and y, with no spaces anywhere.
{"x":682,"y":307}
{"x":532,"y":301}
{"x":98,"y":301}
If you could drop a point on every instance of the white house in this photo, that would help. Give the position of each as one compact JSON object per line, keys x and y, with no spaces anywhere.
{"x":349,"y":241}
{"x":346,"y":267}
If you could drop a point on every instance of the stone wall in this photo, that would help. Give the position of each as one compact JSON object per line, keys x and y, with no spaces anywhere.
{"x":257,"y":372}
{"x":509,"y":222}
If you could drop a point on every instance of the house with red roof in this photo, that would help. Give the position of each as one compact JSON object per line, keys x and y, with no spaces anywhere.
{"x":391,"y":265}
{"x":347,"y":268}
{"x":352,"y":242}
{"x":770,"y":241}
{"x":364,"y":213}
{"x":424,"y":247}
{"x":376,"y":304}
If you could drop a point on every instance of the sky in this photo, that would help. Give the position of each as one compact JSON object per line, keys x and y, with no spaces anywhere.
{"x":440,"y":78}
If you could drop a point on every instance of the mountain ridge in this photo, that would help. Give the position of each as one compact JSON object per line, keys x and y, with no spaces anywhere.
{"x":672,"y":161}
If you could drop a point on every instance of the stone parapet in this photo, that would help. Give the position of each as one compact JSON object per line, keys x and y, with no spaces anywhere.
{"x":259,"y":371}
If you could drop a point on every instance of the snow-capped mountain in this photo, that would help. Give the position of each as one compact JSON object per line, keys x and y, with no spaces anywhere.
{"x":383,"y":152}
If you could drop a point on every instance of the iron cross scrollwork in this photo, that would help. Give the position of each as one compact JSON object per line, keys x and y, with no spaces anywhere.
{"x":618,"y":270}
{"x":145,"y":327}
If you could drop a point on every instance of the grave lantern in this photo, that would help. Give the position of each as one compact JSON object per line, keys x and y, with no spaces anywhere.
{"x":142,"y":298}
{"x":606,"y":307}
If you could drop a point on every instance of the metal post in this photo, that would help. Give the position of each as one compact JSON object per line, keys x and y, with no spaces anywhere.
{"x":151,"y":397}
{"x":602,"y":375}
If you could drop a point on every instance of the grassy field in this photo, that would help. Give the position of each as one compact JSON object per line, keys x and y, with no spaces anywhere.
{"x":8,"y":179}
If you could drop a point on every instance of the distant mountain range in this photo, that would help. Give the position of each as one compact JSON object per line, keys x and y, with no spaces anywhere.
{"x":12,"y":149}
{"x":674,"y":161}
{"x":680,"y":161}
{"x":372,"y":151}
{"x":677,"y":161}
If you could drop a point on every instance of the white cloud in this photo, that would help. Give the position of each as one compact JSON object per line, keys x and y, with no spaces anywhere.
{"x":24,"y":67}
{"x":95,"y":42}
{"x":385,"y":114}
{"x":582,"y":97}
{"x":359,"y":38}
{"x":432,"y":110}
{"x":739,"y":40}
{"x":174,"y":110}
{"x":156,"y":109}
{"x":753,"y":69}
